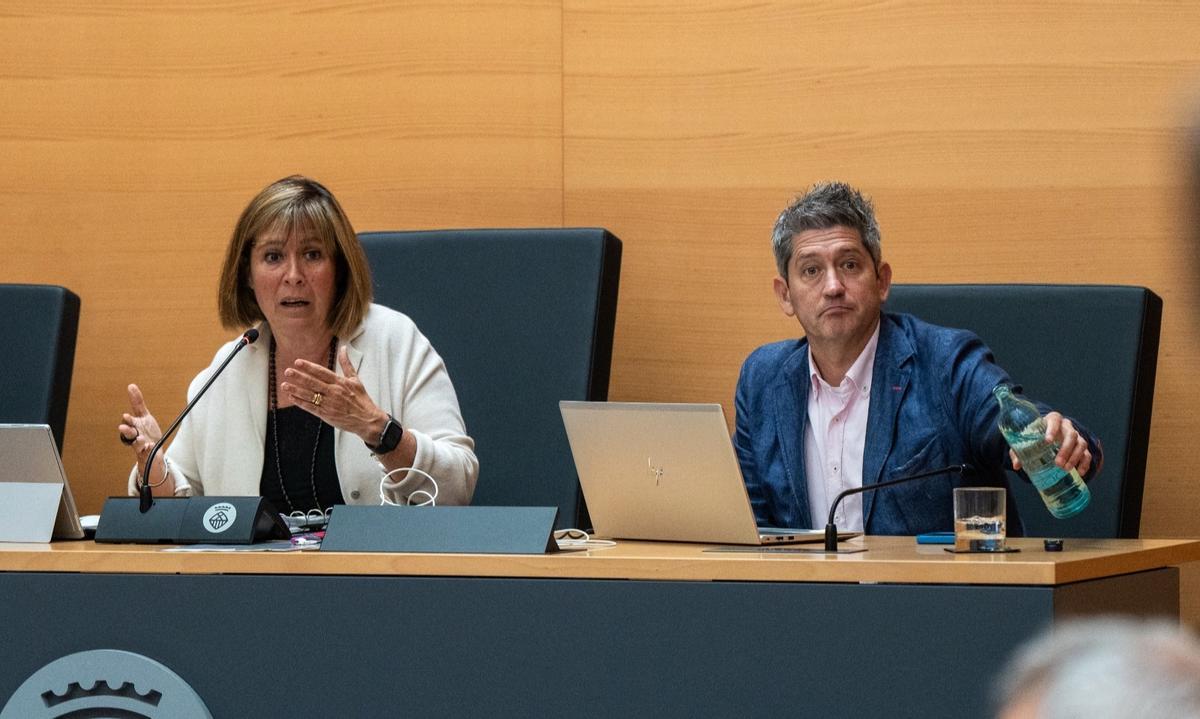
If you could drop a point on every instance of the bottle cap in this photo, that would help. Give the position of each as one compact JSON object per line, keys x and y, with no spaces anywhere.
{"x":1053,"y":545}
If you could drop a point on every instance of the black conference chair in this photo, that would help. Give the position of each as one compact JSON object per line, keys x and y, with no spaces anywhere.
{"x":1090,"y":351}
{"x":39,"y":324}
{"x":523,"y":319}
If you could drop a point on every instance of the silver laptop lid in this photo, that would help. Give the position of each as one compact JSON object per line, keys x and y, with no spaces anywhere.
{"x":30,"y":457}
{"x":659,"y":471}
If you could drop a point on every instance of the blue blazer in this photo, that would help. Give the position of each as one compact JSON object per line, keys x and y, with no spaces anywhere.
{"x":931,"y":406}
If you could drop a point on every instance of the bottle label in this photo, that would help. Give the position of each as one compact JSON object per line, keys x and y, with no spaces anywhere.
{"x":1064,"y":493}
{"x":1037,"y":456}
{"x":1031,"y":446}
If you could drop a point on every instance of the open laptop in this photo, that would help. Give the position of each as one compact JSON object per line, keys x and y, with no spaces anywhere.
{"x":665,"y":472}
{"x":36,"y":503}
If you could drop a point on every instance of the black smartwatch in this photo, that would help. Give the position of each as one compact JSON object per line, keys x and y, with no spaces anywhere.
{"x":389,"y":438}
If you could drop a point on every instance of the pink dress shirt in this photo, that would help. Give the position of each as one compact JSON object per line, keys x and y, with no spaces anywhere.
{"x":834,"y":439}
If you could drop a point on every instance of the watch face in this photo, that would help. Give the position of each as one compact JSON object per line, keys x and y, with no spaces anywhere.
{"x":390,"y":437}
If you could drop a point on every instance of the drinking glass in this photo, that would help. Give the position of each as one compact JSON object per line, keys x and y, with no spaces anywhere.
{"x":979,"y":519}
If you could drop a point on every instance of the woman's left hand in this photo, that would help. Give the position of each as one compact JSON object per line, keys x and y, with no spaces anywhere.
{"x":342,"y":401}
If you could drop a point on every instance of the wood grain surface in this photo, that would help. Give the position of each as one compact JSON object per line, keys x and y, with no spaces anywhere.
{"x":886,"y":559}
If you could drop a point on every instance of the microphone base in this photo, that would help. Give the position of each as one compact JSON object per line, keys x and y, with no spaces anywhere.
{"x":190,"y":520}
{"x":831,"y":535}
{"x":831,"y":541}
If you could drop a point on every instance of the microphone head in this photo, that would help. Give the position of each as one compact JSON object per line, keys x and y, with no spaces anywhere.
{"x":250,"y":336}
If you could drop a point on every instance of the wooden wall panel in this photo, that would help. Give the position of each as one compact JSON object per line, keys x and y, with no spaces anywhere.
{"x":134,"y":133}
{"x":1022,"y":142}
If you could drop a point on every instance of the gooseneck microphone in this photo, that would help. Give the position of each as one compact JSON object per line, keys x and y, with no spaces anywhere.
{"x":831,"y":535}
{"x":145,"y":494}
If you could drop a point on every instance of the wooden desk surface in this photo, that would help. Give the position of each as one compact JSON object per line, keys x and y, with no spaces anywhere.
{"x":889,"y":559}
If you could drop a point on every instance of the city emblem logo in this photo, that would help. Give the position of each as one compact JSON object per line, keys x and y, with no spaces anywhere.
{"x":219,"y":517}
{"x":105,"y":683}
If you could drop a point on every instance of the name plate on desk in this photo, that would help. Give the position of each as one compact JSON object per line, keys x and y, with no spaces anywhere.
{"x":463,"y":530}
{"x":190,"y":520}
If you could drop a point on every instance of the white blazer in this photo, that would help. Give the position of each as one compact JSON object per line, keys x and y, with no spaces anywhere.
{"x":219,"y":449}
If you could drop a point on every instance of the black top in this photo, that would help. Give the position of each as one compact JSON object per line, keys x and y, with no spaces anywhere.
{"x":296,"y":431}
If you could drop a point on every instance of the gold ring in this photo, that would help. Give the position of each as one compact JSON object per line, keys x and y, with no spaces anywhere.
{"x":317,"y":399}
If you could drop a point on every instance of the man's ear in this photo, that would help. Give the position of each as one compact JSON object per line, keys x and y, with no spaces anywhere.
{"x":781,"y":294}
{"x":885,"y":281}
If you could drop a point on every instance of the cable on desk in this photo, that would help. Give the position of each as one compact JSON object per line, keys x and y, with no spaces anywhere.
{"x":579,"y":539}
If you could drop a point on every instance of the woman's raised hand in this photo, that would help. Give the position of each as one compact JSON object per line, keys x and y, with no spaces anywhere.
{"x":139,"y":429}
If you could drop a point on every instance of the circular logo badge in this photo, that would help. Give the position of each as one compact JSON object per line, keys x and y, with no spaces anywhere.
{"x":219,"y":517}
{"x":105,"y":683}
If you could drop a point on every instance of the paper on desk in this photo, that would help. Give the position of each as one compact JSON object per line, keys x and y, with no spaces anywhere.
{"x":279,"y":545}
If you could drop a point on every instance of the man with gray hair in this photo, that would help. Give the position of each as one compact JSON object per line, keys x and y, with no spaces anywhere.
{"x":1107,"y":668}
{"x":867,"y":396}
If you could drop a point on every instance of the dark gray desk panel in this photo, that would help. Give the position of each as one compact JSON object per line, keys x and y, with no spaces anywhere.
{"x":279,"y":646}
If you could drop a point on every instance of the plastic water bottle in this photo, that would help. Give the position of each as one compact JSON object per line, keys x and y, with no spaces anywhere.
{"x":1064,"y":493}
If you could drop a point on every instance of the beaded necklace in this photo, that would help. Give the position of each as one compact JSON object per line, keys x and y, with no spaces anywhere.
{"x":274,"y":403}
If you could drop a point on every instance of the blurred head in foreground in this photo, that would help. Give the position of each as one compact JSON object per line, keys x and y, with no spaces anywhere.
{"x":1104,"y":669}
